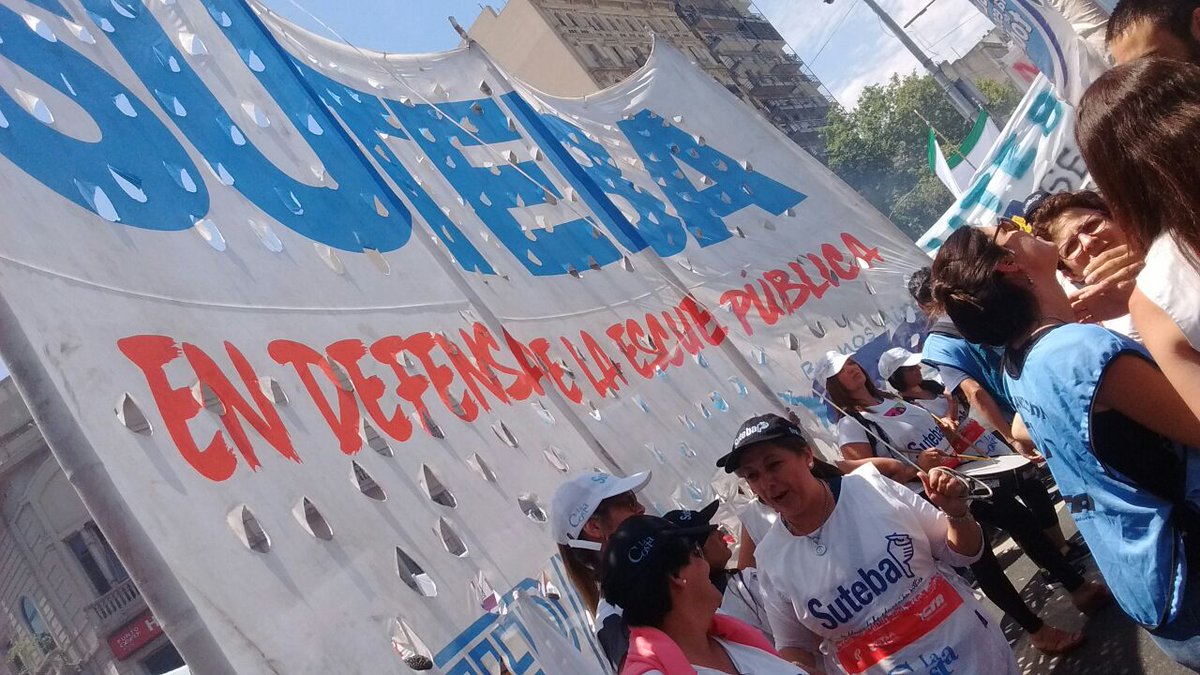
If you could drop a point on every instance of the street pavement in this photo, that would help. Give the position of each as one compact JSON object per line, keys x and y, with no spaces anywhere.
{"x":1115,"y":645}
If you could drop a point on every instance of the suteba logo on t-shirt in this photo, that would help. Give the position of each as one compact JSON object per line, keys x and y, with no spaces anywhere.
{"x":869,"y":583}
{"x":932,"y":439}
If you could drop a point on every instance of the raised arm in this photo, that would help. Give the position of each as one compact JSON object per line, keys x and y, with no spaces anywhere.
{"x":982,"y":401}
{"x":951,"y":409}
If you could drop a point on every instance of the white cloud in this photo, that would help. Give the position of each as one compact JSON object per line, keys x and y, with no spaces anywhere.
{"x":860,"y":52}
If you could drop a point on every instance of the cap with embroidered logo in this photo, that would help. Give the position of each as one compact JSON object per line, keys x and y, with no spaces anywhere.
{"x":576,"y":500}
{"x":1033,"y":202}
{"x":636,"y":550}
{"x":756,"y":430}
{"x":689,"y":518}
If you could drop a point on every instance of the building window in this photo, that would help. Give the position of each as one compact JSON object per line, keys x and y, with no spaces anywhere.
{"x":37,"y":626}
{"x":96,"y":558}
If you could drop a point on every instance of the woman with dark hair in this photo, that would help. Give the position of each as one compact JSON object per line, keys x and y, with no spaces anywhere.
{"x":584,"y":513}
{"x":1114,"y":433}
{"x":657,"y":574}
{"x":901,"y":369}
{"x":740,"y":591}
{"x":967,"y":434}
{"x":877,"y":425}
{"x":1139,"y":130}
{"x":862,"y":407}
{"x":852,"y":567}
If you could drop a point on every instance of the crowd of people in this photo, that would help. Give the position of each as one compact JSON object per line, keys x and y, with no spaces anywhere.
{"x":1069,"y":336}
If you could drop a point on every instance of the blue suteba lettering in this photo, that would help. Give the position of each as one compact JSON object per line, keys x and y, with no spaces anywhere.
{"x":868,"y":584}
{"x":370,"y":120}
{"x":654,"y":227}
{"x":133,"y":175}
{"x":494,"y":192}
{"x":932,"y":439}
{"x":662,"y":147}
{"x":346,"y":218}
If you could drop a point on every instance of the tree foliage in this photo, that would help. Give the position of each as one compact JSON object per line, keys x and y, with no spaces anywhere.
{"x":1002,"y":97}
{"x":881,"y":147}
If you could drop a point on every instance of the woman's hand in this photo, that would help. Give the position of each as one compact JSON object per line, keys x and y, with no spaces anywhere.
{"x":945,"y":492}
{"x":930,"y":459}
{"x":1110,"y":278}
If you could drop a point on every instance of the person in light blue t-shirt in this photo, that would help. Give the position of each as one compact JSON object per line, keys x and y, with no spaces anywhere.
{"x":1119,"y":440}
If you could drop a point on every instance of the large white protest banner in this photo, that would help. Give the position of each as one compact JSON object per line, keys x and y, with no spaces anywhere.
{"x":316,"y":331}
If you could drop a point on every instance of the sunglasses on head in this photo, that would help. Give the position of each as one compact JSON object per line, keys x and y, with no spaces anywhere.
{"x":1011,"y":226}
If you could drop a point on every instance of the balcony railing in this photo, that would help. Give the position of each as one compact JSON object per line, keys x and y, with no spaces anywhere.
{"x":116,"y":600}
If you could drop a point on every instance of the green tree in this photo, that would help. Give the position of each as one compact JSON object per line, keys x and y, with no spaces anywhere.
{"x":1002,"y":97}
{"x":881,"y":148}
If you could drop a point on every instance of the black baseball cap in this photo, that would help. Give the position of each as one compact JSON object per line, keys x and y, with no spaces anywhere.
{"x":636,"y":550}
{"x":756,"y":430}
{"x":688,"y":518}
{"x":1032,"y":203}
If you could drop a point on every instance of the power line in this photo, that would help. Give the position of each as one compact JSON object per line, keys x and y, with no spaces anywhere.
{"x":836,"y":27}
{"x":952,"y":31}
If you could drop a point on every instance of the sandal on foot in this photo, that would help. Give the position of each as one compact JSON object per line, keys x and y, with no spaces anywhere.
{"x":1054,"y":641}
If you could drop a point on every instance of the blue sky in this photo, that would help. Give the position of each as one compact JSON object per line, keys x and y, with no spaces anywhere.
{"x":842,"y":42}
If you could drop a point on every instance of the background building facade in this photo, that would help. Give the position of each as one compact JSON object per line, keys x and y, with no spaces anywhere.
{"x":991,"y":59}
{"x":66,"y":603}
{"x":576,"y":47}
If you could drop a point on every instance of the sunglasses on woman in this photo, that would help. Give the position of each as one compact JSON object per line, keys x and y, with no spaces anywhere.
{"x":1011,"y":226}
{"x":626,"y":500}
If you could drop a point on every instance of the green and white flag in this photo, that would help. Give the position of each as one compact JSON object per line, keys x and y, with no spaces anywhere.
{"x":957,"y":170}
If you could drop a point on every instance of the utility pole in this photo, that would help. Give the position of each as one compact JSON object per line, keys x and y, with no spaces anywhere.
{"x":961,"y":104}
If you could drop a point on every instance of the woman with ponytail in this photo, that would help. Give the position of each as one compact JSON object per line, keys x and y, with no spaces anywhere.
{"x":1117,"y":437}
{"x":585,"y":511}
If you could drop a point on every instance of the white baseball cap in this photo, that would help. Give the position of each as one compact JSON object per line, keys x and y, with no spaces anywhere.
{"x":831,"y":364}
{"x":576,"y":500}
{"x":896,"y":358}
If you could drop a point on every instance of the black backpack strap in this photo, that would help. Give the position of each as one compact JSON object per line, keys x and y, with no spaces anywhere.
{"x":875,"y":433}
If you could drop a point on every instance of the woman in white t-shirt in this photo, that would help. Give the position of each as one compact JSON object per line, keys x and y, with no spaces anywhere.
{"x":1138,"y":130}
{"x":876,"y":424}
{"x":655,"y":571}
{"x":909,"y":428}
{"x":902,"y":370}
{"x":966,"y":432}
{"x":853,"y":567}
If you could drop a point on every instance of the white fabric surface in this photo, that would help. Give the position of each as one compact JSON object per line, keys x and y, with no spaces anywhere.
{"x":908,"y":426}
{"x":744,"y":600}
{"x":1170,"y":281}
